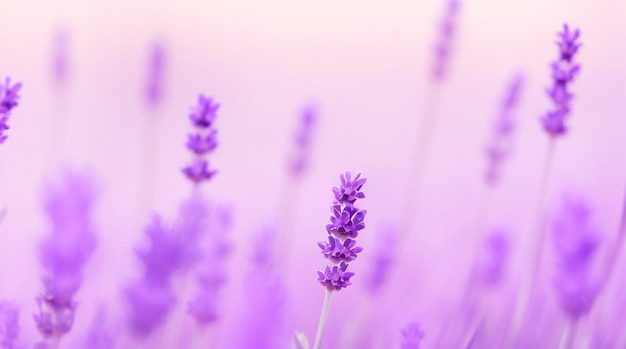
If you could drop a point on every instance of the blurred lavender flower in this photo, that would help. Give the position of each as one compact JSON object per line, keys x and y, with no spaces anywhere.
{"x":346,"y":222}
{"x":411,"y":336}
{"x":9,"y":327}
{"x":65,"y":252}
{"x":263,"y":317}
{"x":499,"y":148}
{"x":99,"y":337}
{"x":8,"y":100}
{"x":564,"y":70}
{"x":212,"y":275}
{"x":156,"y":67}
{"x":575,"y":245}
{"x":60,"y":56}
{"x":492,"y":265}
{"x":382,"y":259}
{"x":203,"y":141}
{"x":303,"y":139}
{"x":443,"y":46}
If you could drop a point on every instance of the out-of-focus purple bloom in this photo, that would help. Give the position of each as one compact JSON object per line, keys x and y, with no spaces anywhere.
{"x":65,"y":252}
{"x":336,"y":277}
{"x":302,"y":141}
{"x":9,"y":327}
{"x":499,"y":148}
{"x":150,"y":303}
{"x":382,"y":259}
{"x":199,"y":171}
{"x":345,"y":223}
{"x":336,"y":251}
{"x":212,"y":276}
{"x":156,"y":67}
{"x":564,"y":70}
{"x":203,"y":141}
{"x":60,"y":56}
{"x":204,"y":113}
{"x":99,"y":337}
{"x":412,"y":335}
{"x":575,"y":245}
{"x":443,"y":46}
{"x":493,"y":261}
{"x":8,"y":101}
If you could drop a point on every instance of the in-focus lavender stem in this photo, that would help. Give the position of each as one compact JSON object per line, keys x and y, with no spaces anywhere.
{"x":322,"y":323}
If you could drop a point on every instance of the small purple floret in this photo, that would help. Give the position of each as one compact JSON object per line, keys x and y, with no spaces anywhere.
{"x":336,"y":277}
{"x":204,"y":113}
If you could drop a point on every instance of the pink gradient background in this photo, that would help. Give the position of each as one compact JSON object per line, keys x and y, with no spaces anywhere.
{"x":365,"y":63}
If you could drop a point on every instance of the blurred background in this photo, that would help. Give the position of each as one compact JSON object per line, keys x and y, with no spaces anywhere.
{"x":366,"y":67}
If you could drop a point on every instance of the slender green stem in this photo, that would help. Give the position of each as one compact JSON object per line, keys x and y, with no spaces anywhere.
{"x":322,"y":322}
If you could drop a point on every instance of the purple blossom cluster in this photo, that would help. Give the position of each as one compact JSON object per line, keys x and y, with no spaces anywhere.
{"x":576,"y":246}
{"x":9,"y":99}
{"x":302,"y":141}
{"x":9,"y":324}
{"x":203,"y":140}
{"x":345,"y":223}
{"x":564,"y":70}
{"x":64,"y":253}
{"x":443,"y":46}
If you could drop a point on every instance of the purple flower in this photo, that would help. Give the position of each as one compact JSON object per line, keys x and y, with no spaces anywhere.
{"x":337,"y":252}
{"x":412,"y":335}
{"x":60,"y":56}
{"x":198,"y":171}
{"x":212,"y":277}
{"x":156,"y":67}
{"x":349,"y":191}
{"x":8,"y":101}
{"x":564,"y":70}
{"x":9,"y":327}
{"x":203,"y":141}
{"x":499,"y":147}
{"x":150,"y":303}
{"x":204,"y":113}
{"x":382,"y":259}
{"x":345,"y":223}
{"x":200,"y":144}
{"x":336,"y":277}
{"x":496,"y":252}
{"x":302,"y":141}
{"x":443,"y":46}
{"x":575,"y":246}
{"x":65,"y":252}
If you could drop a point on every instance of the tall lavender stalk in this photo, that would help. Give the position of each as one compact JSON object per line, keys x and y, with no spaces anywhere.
{"x":346,"y":222}
{"x":298,"y":165}
{"x":575,"y":245}
{"x":64,"y":253}
{"x":149,"y":142}
{"x":564,"y":70}
{"x":9,"y":98}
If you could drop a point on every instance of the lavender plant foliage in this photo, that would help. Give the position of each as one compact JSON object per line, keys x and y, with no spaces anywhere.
{"x":212,"y":276}
{"x":66,"y":250}
{"x":412,"y":336}
{"x":302,"y":141}
{"x":443,"y":46}
{"x":564,"y":70}
{"x":346,"y":222}
{"x":202,"y":141}
{"x":9,"y":324}
{"x":575,"y":245}
{"x":499,"y":147}
{"x":9,"y":99}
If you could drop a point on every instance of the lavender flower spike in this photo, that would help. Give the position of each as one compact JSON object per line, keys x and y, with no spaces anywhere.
{"x":500,"y":145}
{"x":443,"y":46}
{"x":564,"y":70}
{"x":202,"y":141}
{"x":8,"y":101}
{"x":156,"y":65}
{"x":341,"y":249}
{"x":303,"y":139}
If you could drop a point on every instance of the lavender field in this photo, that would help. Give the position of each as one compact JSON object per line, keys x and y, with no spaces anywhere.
{"x":328,"y":174}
